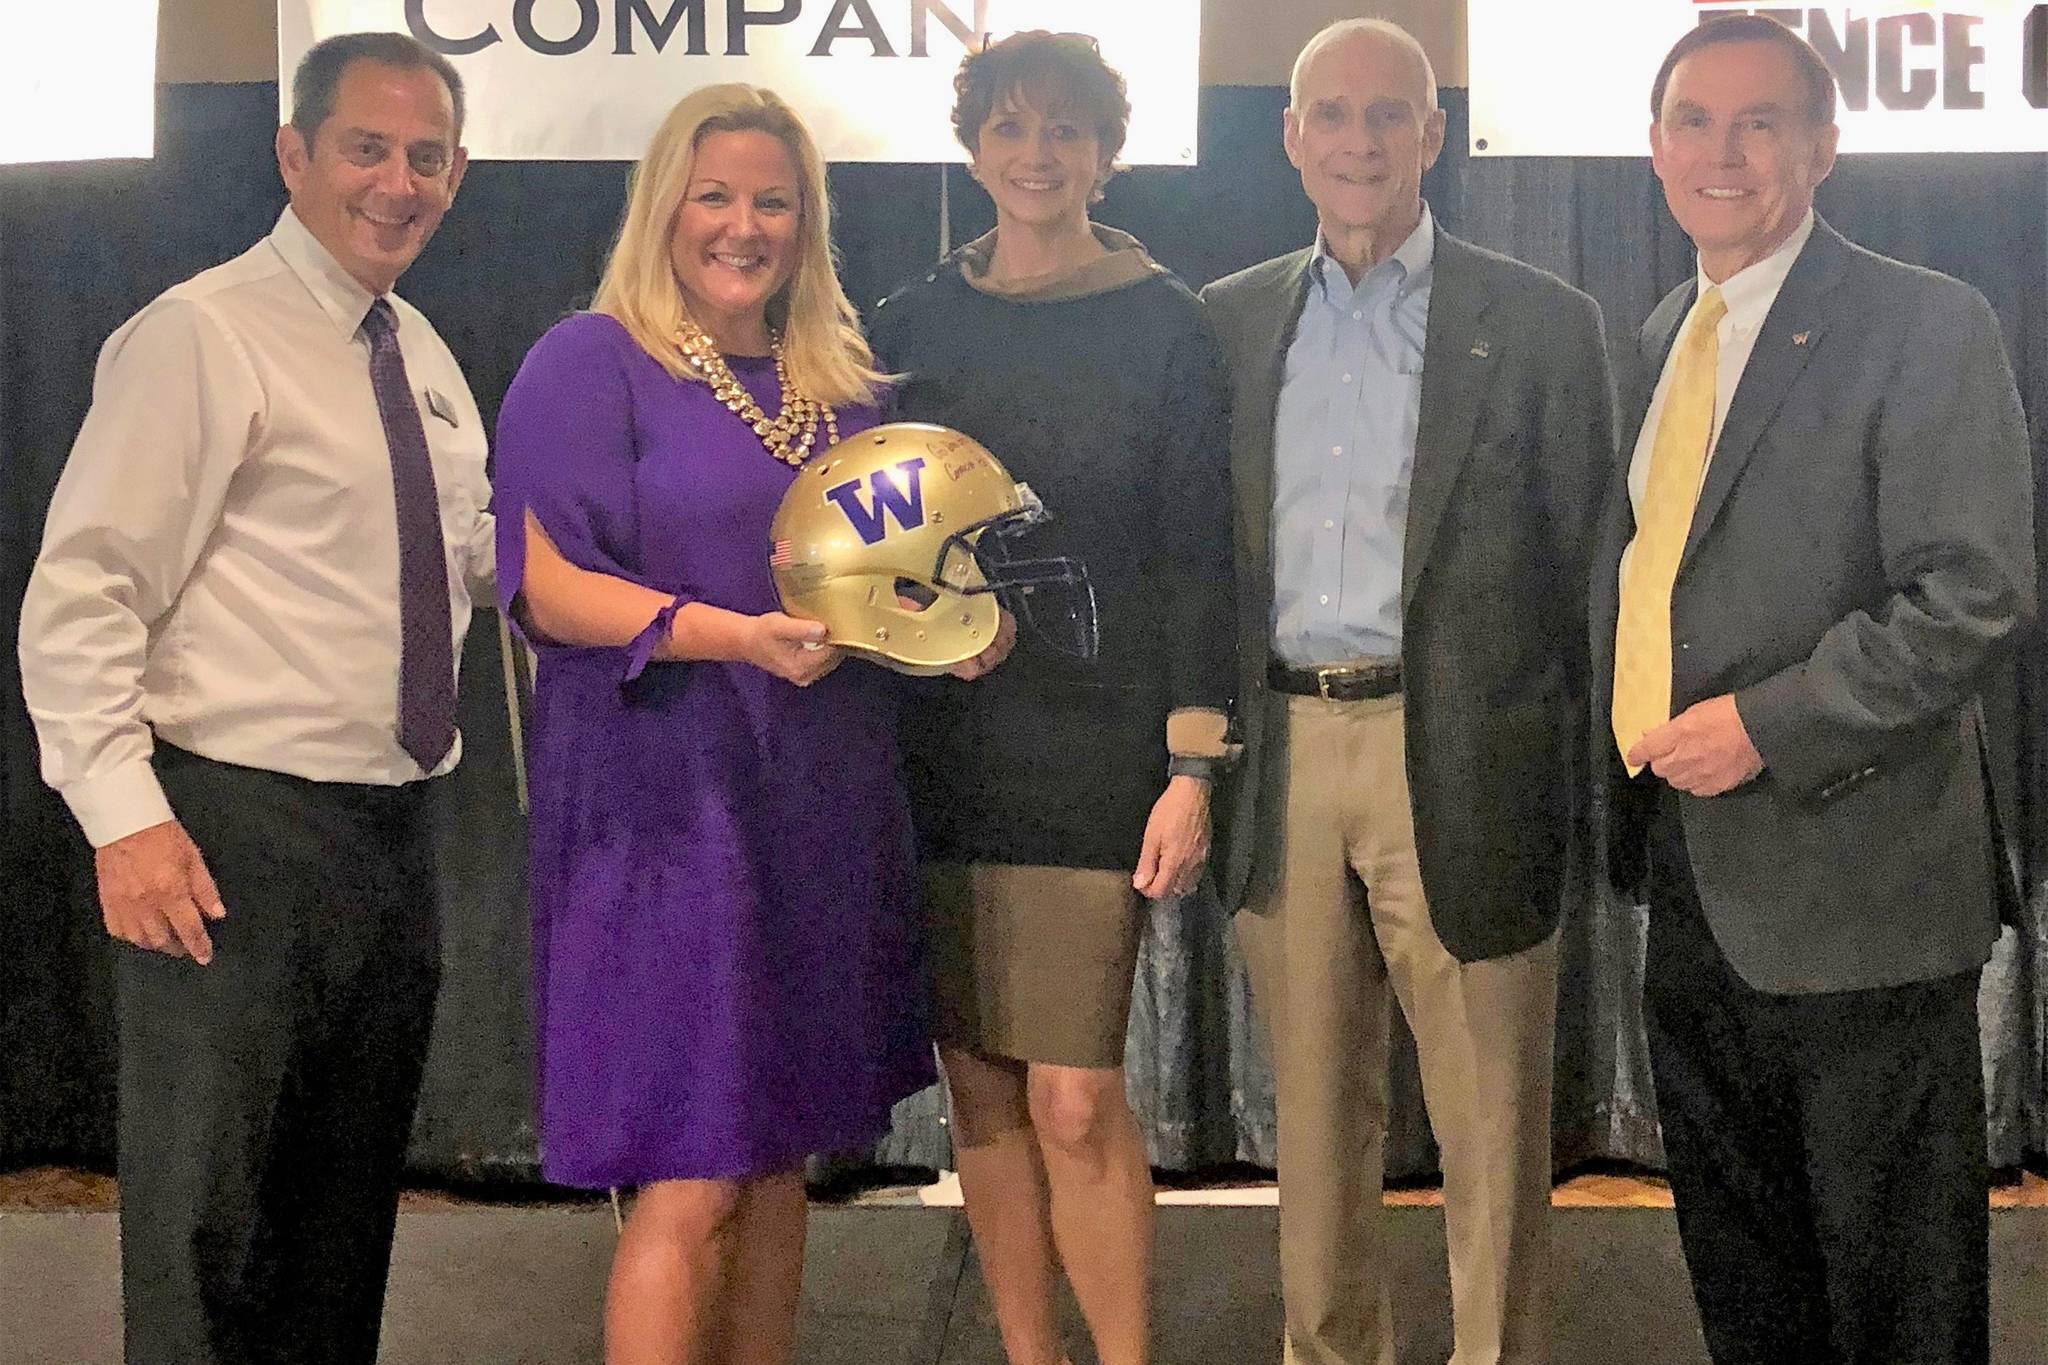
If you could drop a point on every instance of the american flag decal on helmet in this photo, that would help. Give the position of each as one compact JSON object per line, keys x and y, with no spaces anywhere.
{"x":781,"y":555}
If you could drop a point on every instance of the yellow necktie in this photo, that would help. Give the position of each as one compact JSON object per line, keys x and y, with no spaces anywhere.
{"x":1642,"y":631}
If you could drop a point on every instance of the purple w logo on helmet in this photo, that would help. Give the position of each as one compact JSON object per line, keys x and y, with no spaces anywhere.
{"x":899,"y":494}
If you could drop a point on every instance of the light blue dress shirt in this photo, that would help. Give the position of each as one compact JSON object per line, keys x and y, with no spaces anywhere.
{"x":1343,"y":450}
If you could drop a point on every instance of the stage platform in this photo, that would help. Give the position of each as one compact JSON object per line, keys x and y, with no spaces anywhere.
{"x":520,"y":1285}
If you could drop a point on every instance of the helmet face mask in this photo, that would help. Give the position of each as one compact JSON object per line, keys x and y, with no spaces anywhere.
{"x":894,"y":540}
{"x":1052,"y":597}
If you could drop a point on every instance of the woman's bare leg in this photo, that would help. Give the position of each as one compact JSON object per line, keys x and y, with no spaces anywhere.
{"x":1003,"y":1181}
{"x":1101,"y":1187}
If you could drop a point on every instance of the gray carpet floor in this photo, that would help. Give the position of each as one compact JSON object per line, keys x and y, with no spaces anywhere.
{"x":886,"y":1286}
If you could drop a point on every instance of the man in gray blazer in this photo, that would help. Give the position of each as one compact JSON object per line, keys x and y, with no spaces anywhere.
{"x":1820,"y":546}
{"x":1422,"y":431}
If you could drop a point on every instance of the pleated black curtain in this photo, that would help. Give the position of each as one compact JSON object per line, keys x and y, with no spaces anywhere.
{"x":81,"y":247}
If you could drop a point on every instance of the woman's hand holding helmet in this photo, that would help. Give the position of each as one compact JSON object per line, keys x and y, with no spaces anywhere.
{"x":792,"y":649}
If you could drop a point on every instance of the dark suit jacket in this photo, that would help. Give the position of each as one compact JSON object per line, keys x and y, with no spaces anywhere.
{"x":1861,"y":554}
{"x":1514,"y":445}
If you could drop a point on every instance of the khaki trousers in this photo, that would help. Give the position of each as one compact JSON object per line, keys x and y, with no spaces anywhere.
{"x":1343,"y":921}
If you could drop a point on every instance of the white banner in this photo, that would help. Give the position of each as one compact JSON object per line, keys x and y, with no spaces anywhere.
{"x":588,"y":80}
{"x":1916,"y":75}
{"x":75,"y":89}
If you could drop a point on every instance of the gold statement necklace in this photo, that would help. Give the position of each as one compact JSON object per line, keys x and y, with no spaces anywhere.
{"x":793,"y":431}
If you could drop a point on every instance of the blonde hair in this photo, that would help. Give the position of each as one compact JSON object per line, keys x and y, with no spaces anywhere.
{"x":827,"y":356}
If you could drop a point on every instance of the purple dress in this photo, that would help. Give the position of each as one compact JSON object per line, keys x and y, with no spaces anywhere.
{"x":727,"y":954}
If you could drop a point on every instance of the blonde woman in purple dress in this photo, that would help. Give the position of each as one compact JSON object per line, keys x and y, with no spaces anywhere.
{"x":726,"y":954}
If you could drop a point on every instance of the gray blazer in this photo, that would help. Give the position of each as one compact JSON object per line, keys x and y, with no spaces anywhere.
{"x":1862,"y":553}
{"x":1514,"y":446}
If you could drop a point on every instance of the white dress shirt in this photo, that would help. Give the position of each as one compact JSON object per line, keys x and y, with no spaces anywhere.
{"x":1749,"y":294}
{"x":220,"y":563}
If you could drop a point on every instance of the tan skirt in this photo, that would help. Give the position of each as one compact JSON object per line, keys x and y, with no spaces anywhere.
{"x":1033,"y":963}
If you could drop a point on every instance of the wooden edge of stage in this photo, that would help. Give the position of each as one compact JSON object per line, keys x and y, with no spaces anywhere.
{"x":54,"y":1189}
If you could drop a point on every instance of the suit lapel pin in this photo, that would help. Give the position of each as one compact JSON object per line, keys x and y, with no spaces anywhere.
{"x":1481,"y":349}
{"x":1799,"y":338}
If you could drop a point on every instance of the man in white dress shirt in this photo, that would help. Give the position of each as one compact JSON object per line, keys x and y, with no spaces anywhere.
{"x":238,"y":647}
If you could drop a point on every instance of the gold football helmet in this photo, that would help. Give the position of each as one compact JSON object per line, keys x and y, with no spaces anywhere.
{"x":893,"y":539}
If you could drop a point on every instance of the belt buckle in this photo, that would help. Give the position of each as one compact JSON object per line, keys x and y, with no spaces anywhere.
{"x":1323,"y":676}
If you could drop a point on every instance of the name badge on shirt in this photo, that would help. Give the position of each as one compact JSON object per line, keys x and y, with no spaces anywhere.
{"x":441,"y":408}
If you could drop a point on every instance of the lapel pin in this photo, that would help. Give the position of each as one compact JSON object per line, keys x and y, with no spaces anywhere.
{"x":441,"y":407}
{"x":1799,"y":338}
{"x":1480,"y":349}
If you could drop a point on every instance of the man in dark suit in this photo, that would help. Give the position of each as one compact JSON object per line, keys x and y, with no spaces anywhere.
{"x":1820,"y":544}
{"x":1422,"y":430}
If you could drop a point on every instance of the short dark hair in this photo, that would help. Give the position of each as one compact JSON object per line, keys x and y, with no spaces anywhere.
{"x":1063,"y":66}
{"x":319,"y":73}
{"x":1753,"y":28}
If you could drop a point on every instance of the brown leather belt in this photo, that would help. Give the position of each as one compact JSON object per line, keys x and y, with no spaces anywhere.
{"x":1338,"y":682}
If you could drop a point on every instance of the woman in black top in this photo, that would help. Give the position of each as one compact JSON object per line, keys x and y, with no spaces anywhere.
{"x":1056,"y":795}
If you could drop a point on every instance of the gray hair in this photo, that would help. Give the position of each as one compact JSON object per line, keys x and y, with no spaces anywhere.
{"x":1345,"y":30}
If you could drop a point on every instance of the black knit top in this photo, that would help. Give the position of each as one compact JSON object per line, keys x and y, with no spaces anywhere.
{"x":1115,"y":409}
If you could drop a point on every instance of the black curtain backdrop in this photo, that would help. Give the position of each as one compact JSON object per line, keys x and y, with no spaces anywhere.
{"x":83,"y":246}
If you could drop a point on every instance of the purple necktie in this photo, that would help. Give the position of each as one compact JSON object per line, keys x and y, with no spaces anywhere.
{"x":426,"y":660}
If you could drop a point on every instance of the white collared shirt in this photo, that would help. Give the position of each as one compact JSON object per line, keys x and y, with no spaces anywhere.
{"x":1749,"y":294}
{"x":220,"y":562}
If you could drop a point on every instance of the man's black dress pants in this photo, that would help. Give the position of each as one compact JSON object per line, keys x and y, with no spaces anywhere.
{"x":266,"y":1098}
